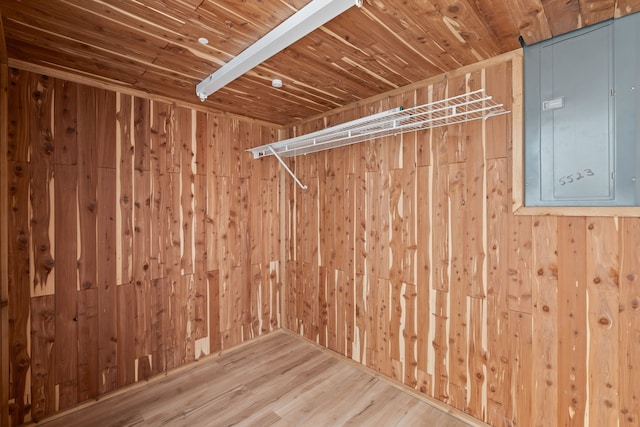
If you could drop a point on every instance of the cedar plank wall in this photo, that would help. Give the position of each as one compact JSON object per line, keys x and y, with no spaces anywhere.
{"x":404,"y":255}
{"x":140,"y":234}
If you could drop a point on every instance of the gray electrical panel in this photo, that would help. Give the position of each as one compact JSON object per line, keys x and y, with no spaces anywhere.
{"x":582,"y":113}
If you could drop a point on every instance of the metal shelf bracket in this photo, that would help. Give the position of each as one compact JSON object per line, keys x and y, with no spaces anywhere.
{"x":284,"y":165}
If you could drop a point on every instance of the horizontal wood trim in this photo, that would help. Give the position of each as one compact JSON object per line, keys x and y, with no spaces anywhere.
{"x":578,"y":211}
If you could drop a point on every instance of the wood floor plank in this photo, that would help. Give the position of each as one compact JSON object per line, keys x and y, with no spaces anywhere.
{"x":278,"y":380}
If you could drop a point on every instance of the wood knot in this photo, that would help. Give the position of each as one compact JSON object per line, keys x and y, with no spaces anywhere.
{"x":604,"y":321}
{"x":596,"y":280}
{"x":591,"y":226}
{"x":86,"y":284}
{"x":22,"y":241}
{"x":635,"y":303}
{"x":631,"y":277}
{"x":453,"y":9}
{"x":545,"y":308}
{"x":24,"y":362}
{"x":49,"y":148}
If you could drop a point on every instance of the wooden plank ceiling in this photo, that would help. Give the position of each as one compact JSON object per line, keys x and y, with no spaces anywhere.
{"x":151,"y":45}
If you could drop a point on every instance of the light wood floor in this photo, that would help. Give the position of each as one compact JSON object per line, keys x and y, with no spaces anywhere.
{"x":279,"y":380}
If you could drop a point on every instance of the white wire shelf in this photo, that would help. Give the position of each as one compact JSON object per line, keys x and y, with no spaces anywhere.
{"x":458,"y":109}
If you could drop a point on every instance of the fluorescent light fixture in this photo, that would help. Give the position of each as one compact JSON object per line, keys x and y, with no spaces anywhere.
{"x":313,"y":15}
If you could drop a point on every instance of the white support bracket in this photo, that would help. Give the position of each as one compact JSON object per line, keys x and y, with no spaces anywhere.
{"x":284,"y":165}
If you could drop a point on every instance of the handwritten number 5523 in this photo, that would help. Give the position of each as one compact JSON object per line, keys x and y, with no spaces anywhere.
{"x":574,"y":177}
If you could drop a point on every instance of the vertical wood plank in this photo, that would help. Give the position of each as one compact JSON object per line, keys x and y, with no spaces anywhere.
{"x":350,"y":279}
{"x":87,"y":187}
{"x":171,"y":140}
{"x":498,"y":363}
{"x":201,"y":138}
{"x":4,"y":244}
{"x":441,"y":348}
{"x":476,"y":404}
{"x":171,"y":224}
{"x":200,"y":284}
{"x":124,"y":167}
{"x":42,"y":161}
{"x":126,"y":336}
{"x":140,"y":257}
{"x":458,"y":288}
{"x":602,"y":310}
{"x":65,"y":119}
{"x":42,"y":356}
{"x":409,"y":222}
{"x":520,"y":263}
{"x":498,"y":84}
{"x":88,"y":336}
{"x":321,"y":321}
{"x":159,"y":324}
{"x":396,"y":253}
{"x":183,"y":139}
{"x":423,"y":95}
{"x":423,"y":276}
{"x":213,"y":281}
{"x":66,"y":281}
{"x":105,"y":128}
{"x":629,"y":321}
{"x":212,"y":216}
{"x":572,"y":320}
{"x":440,"y":220}
{"x":18,"y":287}
{"x":19,"y":97}
{"x":19,"y":328}
{"x":141,"y":134}
{"x":522,"y":377}
{"x":410,"y":336}
{"x":475,"y":187}
{"x":545,"y":320}
{"x":157,"y":167}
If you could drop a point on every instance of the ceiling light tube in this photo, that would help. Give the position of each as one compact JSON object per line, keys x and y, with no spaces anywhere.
{"x":313,"y":15}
